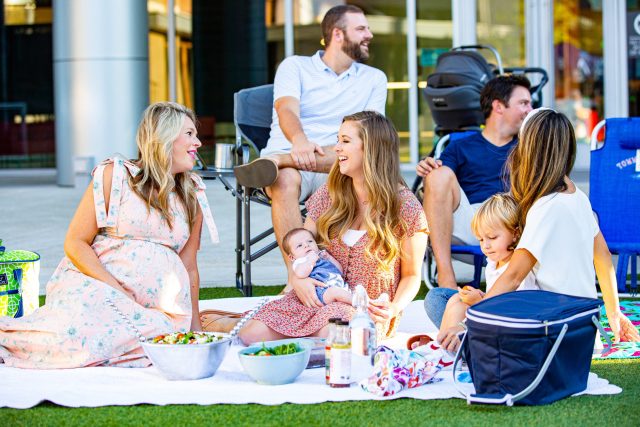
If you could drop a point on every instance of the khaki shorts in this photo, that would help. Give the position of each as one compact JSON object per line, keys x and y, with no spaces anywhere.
{"x":462,"y":216}
{"x":310,"y":182}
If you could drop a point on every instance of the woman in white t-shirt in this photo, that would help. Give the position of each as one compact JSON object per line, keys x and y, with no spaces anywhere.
{"x":561,"y":241}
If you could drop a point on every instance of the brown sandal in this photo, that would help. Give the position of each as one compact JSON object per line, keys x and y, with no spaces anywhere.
{"x":219,"y":320}
{"x":417,"y":341}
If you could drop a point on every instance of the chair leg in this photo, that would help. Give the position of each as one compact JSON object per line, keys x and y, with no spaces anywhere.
{"x":427,"y":269}
{"x":634,"y":273}
{"x":247,"y":289}
{"x":478,"y":262}
{"x":621,"y":271}
{"x":426,"y":274}
{"x":239,"y":247}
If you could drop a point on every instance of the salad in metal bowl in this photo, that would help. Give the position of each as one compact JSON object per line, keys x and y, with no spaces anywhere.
{"x":190,"y":337}
{"x":187,"y":355}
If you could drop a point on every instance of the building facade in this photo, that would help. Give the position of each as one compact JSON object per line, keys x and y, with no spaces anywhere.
{"x":76,"y":74}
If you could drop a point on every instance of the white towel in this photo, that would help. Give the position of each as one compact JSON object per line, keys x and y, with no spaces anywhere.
{"x":91,"y":387}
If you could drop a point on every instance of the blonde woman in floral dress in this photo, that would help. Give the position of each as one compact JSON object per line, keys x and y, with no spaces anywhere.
{"x":370,"y":222}
{"x":132,"y":244}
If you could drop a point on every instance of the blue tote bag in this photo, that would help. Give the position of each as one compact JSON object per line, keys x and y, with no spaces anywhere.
{"x":529,"y":347}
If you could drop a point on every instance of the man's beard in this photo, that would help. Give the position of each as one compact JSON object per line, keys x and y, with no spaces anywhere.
{"x":354,"y":50}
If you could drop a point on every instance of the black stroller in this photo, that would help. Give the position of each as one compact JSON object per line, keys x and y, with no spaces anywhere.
{"x":453,"y":95}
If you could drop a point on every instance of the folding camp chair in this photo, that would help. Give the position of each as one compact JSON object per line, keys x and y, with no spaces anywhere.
{"x":614,"y":191}
{"x":252,"y":115}
{"x":252,"y":119}
{"x":470,"y":254}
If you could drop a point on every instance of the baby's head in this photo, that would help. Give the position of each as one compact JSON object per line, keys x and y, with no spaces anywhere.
{"x":298,"y":243}
{"x":495,"y":225}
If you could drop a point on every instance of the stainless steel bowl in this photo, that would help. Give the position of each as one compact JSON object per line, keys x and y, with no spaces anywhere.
{"x":188,"y":361}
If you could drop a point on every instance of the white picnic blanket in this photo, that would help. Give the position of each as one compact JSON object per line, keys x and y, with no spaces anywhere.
{"x":91,"y":387}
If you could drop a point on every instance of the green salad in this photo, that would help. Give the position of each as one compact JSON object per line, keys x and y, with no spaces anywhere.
{"x":279,"y":350}
{"x":186,"y":338}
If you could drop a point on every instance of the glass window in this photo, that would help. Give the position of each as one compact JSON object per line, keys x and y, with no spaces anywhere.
{"x":158,"y":55}
{"x":501,"y":25}
{"x":26,"y":85}
{"x":579,"y":63}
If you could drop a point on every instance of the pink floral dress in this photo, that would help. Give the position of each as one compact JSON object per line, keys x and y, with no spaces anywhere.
{"x":77,"y":327}
{"x":290,"y":317}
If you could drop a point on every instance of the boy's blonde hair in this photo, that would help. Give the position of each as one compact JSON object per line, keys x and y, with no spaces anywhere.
{"x":500,"y":210}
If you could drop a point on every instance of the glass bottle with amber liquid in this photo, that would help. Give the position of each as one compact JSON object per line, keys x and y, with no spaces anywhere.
{"x":340,"y":367}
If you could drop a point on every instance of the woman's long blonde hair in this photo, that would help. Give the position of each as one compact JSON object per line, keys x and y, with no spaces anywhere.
{"x":381,"y":167}
{"x":544,"y":155}
{"x":160,"y":126}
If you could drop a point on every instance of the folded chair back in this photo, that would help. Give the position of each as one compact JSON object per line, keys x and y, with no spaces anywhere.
{"x":614,"y":190}
{"x":252,"y":116}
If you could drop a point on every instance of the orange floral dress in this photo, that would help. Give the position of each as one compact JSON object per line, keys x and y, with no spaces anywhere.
{"x":290,"y":317}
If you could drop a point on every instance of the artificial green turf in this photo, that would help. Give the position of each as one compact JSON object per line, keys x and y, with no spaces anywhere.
{"x":617,"y":410}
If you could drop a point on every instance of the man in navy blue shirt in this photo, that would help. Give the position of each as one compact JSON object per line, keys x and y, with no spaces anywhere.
{"x":471,"y":169}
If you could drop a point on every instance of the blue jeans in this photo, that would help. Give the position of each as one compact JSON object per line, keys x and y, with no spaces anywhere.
{"x":435,"y":303}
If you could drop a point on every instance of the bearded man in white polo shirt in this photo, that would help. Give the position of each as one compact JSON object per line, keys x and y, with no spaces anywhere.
{"x":311,"y":96}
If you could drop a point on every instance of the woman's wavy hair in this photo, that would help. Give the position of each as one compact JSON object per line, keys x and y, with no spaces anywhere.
{"x":160,"y":126}
{"x":381,"y":167}
{"x":544,"y":155}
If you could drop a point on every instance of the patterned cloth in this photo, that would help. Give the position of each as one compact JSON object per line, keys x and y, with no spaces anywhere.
{"x":623,"y":350}
{"x":290,"y":317}
{"x":396,"y":370}
{"x":76,"y":327}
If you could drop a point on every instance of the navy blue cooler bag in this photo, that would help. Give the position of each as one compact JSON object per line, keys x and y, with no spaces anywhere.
{"x":529,"y":347}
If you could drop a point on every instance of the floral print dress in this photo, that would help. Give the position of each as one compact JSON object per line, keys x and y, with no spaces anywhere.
{"x":290,"y":317}
{"x":77,"y":327}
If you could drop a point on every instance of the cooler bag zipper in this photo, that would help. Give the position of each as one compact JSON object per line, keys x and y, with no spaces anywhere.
{"x":490,"y":319}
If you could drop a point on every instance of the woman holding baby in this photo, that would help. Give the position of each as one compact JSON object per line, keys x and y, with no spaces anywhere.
{"x":371,"y":224}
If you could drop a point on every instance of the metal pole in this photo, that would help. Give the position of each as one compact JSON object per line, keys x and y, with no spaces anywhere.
{"x":538,"y":23}
{"x":412,"y":65}
{"x":171,"y":48}
{"x":614,"y":38}
{"x":463,"y":16}
{"x":288,"y":28}
{"x":101,"y":82}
